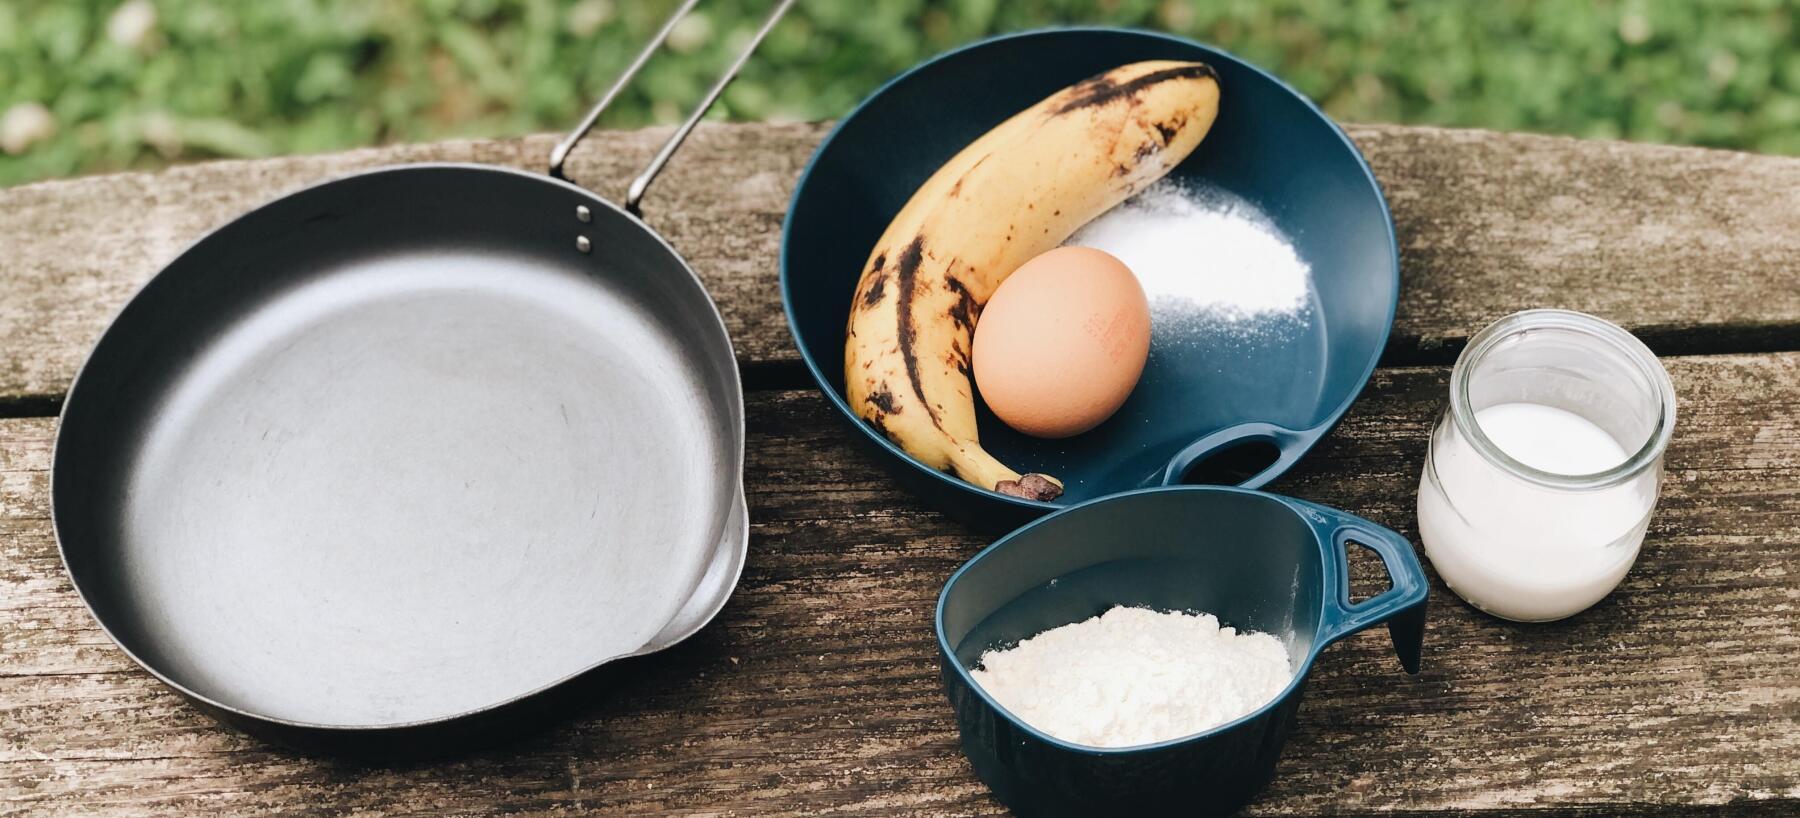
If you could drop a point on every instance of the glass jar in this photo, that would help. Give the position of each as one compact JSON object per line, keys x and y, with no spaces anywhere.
{"x":1541,"y":513}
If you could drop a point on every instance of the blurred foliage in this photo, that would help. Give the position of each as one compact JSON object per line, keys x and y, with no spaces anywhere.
{"x":90,"y":85}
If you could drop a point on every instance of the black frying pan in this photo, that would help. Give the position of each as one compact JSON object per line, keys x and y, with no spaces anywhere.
{"x":385,"y":462}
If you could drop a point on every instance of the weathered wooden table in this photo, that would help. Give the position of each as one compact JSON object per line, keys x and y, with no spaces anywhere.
{"x":816,"y":689}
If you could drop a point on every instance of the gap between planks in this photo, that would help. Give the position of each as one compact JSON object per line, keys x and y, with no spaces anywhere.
{"x":781,"y":376}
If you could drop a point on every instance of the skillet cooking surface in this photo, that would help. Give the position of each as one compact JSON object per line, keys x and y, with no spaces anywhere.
{"x":392,"y":449}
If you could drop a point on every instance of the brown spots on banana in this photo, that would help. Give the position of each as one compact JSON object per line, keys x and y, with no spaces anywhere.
{"x":879,"y":423}
{"x":956,"y":189}
{"x":883,"y":400}
{"x":958,"y":360}
{"x":1145,"y":151}
{"x":1168,"y":128}
{"x":877,"y":288}
{"x":964,"y":312}
{"x":1165,"y":131}
{"x":874,"y":283}
{"x":1086,"y":89}
{"x":1102,"y":89}
{"x":878,"y":407}
{"x":906,"y":273}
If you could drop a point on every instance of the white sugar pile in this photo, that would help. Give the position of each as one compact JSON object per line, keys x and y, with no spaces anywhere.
{"x":1203,"y":252}
{"x":1135,"y":676}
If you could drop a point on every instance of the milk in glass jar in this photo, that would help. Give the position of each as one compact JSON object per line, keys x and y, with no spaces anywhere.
{"x":1542,"y":474}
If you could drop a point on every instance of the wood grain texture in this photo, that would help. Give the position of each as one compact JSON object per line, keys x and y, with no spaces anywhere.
{"x":1693,"y":249}
{"x":75,"y":250}
{"x":816,"y":689}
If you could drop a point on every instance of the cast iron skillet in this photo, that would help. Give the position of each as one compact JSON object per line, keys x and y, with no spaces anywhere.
{"x":380,"y":464}
{"x":1206,"y":390}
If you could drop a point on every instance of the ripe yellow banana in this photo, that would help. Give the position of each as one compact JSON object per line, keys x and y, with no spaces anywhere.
{"x":1019,"y":190}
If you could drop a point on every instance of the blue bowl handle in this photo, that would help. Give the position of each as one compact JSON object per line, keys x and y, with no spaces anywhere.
{"x":1402,"y":606}
{"x":1290,"y":443}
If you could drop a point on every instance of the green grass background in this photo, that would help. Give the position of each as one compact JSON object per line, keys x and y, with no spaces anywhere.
{"x":216,"y":78}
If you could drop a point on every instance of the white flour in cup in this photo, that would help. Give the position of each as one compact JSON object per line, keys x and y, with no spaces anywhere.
{"x":1135,"y":676}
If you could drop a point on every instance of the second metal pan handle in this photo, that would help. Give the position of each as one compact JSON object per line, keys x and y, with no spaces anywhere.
{"x":634,"y":195}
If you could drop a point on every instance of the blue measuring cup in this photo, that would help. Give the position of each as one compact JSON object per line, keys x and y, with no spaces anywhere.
{"x":1255,"y":560}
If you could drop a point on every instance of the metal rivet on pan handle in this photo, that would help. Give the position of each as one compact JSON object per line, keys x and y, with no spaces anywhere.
{"x":634,"y":195}
{"x":582,"y":244}
{"x":583,"y":214}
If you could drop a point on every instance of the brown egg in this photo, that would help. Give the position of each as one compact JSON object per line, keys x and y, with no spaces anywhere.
{"x":1062,"y":342}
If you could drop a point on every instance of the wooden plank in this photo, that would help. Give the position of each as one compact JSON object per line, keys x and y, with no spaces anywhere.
{"x":77,"y":249}
{"x":1693,"y":248}
{"x":816,"y":690}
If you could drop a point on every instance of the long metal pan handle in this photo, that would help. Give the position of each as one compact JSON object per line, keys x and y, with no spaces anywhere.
{"x":560,"y":153}
{"x":634,"y":195}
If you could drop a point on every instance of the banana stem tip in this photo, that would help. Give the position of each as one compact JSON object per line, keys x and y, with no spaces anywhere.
{"x":1031,"y":487}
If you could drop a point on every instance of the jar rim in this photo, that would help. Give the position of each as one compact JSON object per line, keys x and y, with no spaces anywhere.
{"x":1462,"y":410}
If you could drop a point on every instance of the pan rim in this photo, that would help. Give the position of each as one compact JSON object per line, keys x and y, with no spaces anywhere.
{"x":1038,"y":508}
{"x":736,"y":424}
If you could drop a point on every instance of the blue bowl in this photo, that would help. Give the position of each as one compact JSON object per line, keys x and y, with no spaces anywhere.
{"x":1256,"y":561}
{"x":1202,"y":392}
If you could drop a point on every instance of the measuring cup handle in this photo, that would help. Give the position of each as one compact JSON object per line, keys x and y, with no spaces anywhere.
{"x":634,"y":195}
{"x":1289,"y":443}
{"x":1401,"y":606}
